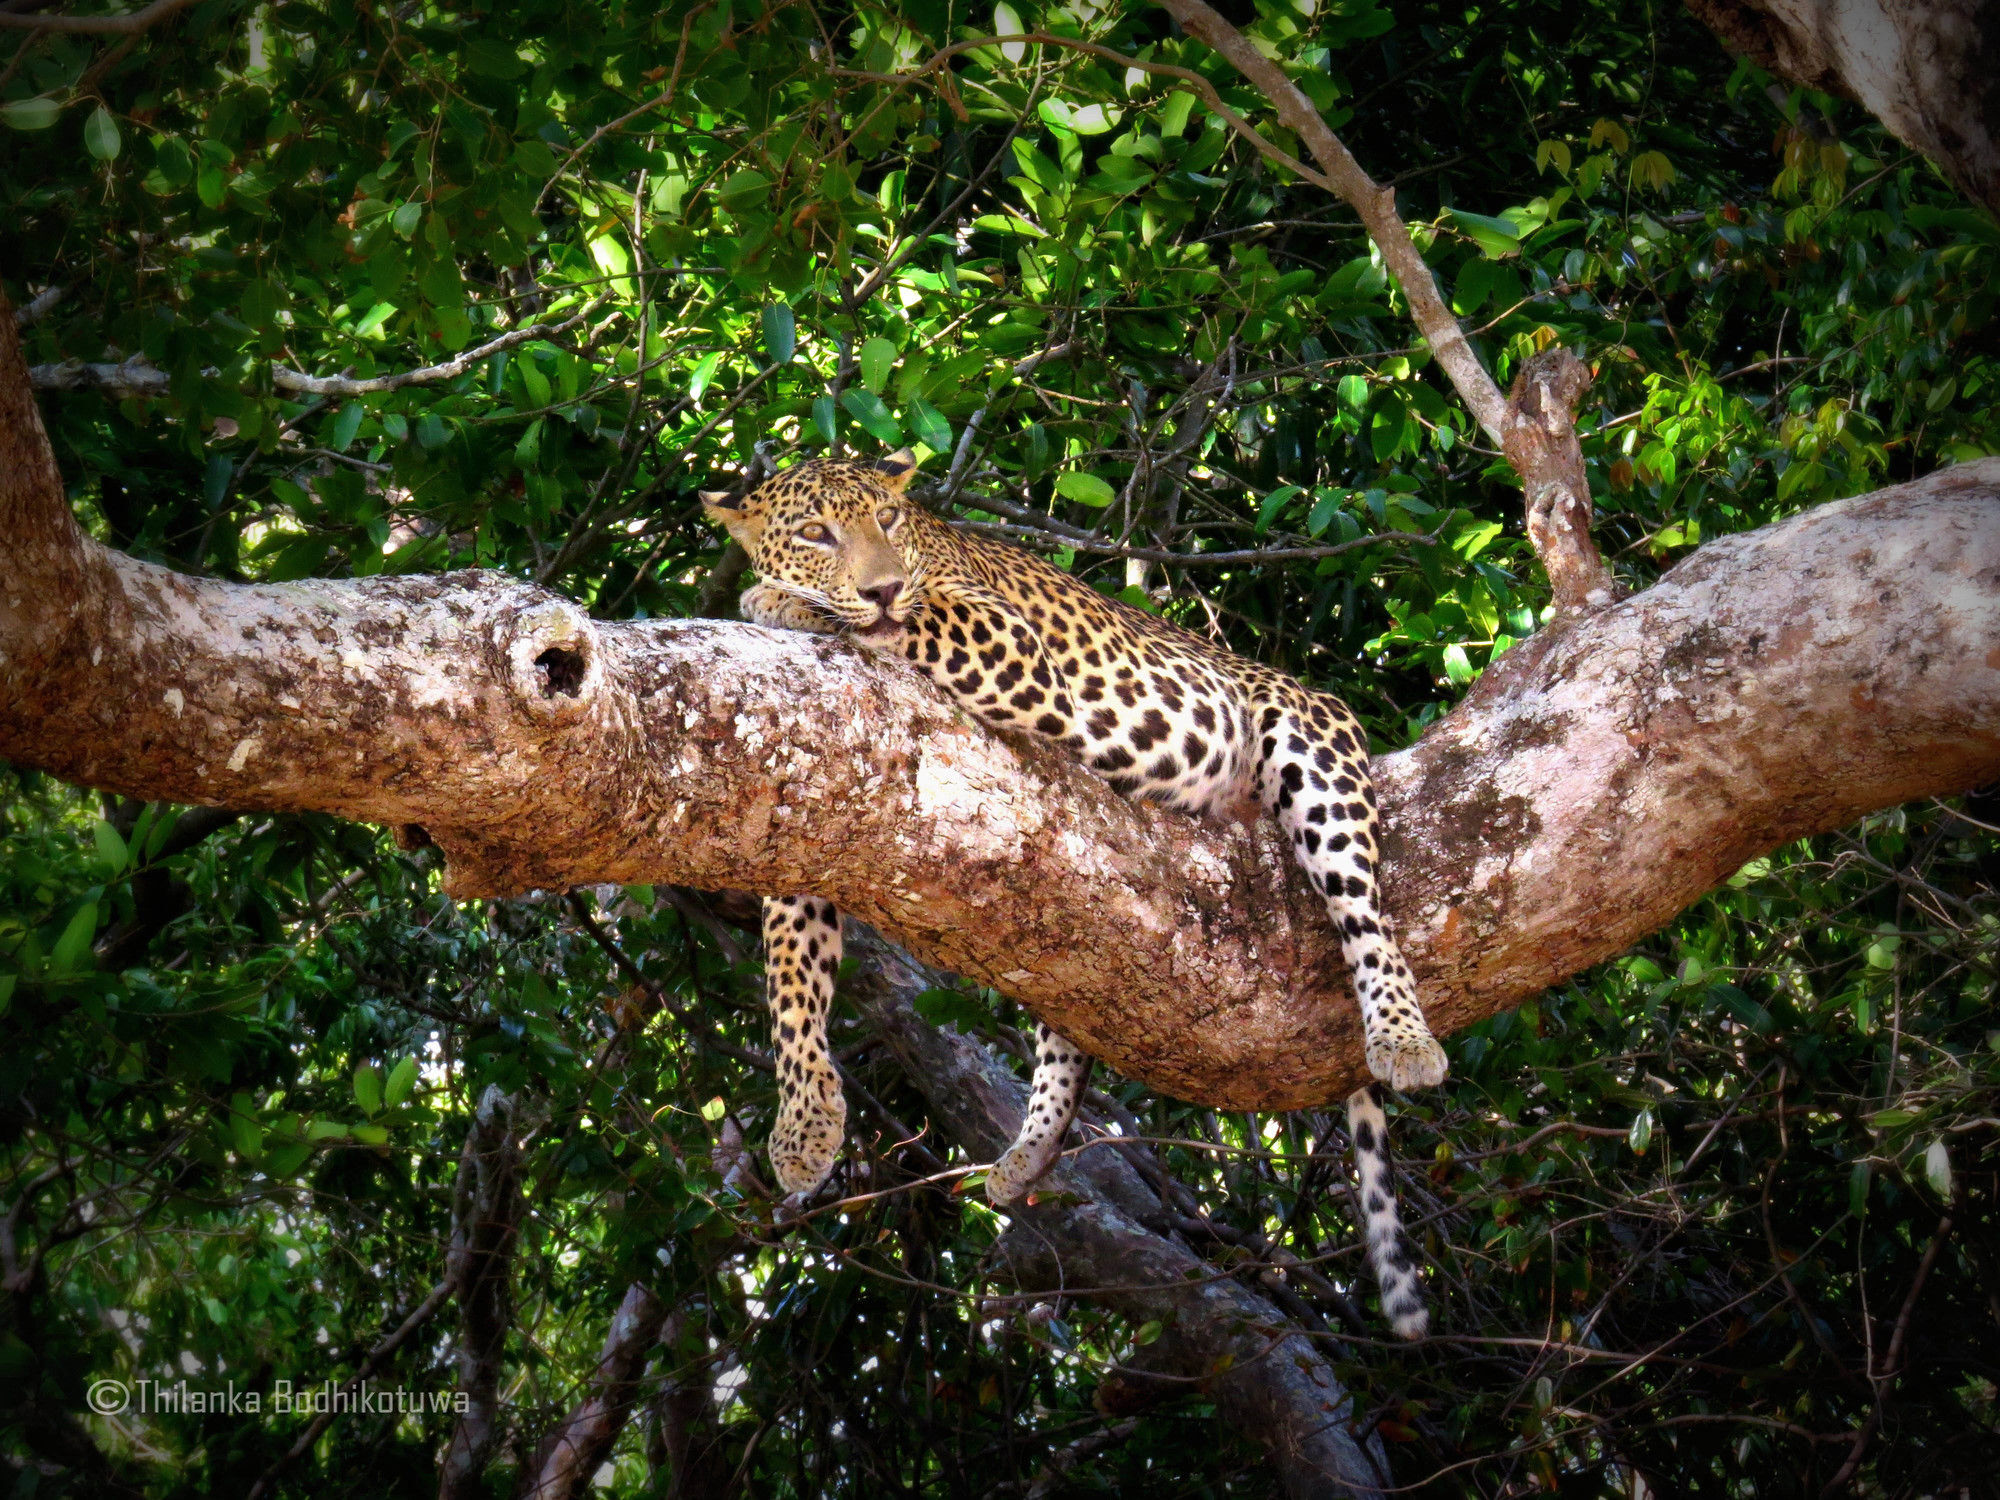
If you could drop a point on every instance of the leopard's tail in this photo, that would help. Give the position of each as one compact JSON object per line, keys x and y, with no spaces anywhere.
{"x":1388,"y":1251}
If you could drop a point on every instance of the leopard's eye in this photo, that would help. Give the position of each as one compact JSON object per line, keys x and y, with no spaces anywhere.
{"x":812,"y":531}
{"x":888,"y":516}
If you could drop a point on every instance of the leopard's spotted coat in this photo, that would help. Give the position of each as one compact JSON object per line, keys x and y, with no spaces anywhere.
{"x":1159,"y":712}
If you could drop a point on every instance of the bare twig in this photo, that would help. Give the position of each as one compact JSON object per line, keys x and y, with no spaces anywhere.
{"x":135,"y":377}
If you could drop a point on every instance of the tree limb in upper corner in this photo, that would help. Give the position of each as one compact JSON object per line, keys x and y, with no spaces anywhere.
{"x":1924,"y":68}
{"x":126,"y":25}
{"x":1776,"y":684}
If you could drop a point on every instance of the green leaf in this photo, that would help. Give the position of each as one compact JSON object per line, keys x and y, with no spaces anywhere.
{"x":1496,"y":238}
{"x":866,"y":408}
{"x":345,"y":425}
{"x":71,"y":954}
{"x":781,"y":340}
{"x":877,"y":358}
{"x":112,"y":854}
{"x":704,"y":372}
{"x":374,"y":318}
{"x":825,"y":418}
{"x":284,"y":1160}
{"x":1937,"y":1168}
{"x":402,"y":1078}
{"x":1858,"y":1178}
{"x":371,"y":1135}
{"x":30,"y":114}
{"x":492,"y":57}
{"x":326,"y":1130}
{"x":744,"y":190}
{"x":1007,"y":22}
{"x":1457,"y":665}
{"x":100,"y":135}
{"x":534,"y":382}
{"x":1273,"y":503}
{"x":248,"y":1135}
{"x":1085,"y":489}
{"x":406,"y":219}
{"x":1640,"y":1135}
{"x":930,"y":427}
{"x":529,"y":448}
{"x":1148,"y":1333}
{"x":368,"y":1089}
{"x":7,"y":983}
{"x":715,"y":1109}
{"x":1354,"y":391}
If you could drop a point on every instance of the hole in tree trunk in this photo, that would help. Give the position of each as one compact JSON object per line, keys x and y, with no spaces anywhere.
{"x":562,"y":672}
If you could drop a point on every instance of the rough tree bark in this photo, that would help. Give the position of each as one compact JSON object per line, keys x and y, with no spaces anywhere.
{"x":1929,"y":70}
{"x":1776,"y":684}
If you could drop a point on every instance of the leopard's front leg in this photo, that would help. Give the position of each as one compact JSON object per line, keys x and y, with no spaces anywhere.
{"x":986,"y":655}
{"x":801,"y":958}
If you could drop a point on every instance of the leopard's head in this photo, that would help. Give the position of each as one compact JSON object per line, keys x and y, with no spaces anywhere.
{"x":836,"y":535}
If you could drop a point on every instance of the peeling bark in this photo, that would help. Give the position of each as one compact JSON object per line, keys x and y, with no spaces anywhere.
{"x":1776,"y":684}
{"x":1929,"y":71}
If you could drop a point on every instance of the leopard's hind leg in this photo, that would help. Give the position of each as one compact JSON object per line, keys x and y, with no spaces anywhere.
{"x":1312,"y":772}
{"x":801,"y":958}
{"x":1062,"y":1071}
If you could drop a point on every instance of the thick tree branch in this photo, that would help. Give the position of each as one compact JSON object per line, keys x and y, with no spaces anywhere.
{"x":1776,"y":684}
{"x":1924,"y":70}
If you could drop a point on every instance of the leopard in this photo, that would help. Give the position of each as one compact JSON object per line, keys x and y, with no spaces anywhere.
{"x":840,"y":547}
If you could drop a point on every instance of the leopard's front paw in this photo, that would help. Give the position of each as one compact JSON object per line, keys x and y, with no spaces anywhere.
{"x":1023,"y":1165}
{"x":1407,"y":1060}
{"x":806,"y":1141}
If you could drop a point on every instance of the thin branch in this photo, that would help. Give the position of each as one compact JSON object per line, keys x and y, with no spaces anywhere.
{"x":135,"y":377}
{"x":131,"y":25}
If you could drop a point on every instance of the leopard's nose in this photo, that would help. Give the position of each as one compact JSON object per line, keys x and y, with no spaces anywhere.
{"x":884,"y":594}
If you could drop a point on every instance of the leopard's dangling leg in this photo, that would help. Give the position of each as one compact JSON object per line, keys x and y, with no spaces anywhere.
{"x":1395,"y":1268}
{"x":1062,"y":1071}
{"x":801,"y":958}
{"x":1315,"y":781}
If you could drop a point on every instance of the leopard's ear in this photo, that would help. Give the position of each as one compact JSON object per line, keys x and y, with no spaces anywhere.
{"x":741,"y":525}
{"x":897,"y":469}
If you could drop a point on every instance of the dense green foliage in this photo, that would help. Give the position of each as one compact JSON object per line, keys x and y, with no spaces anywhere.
{"x":238,"y":1056}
